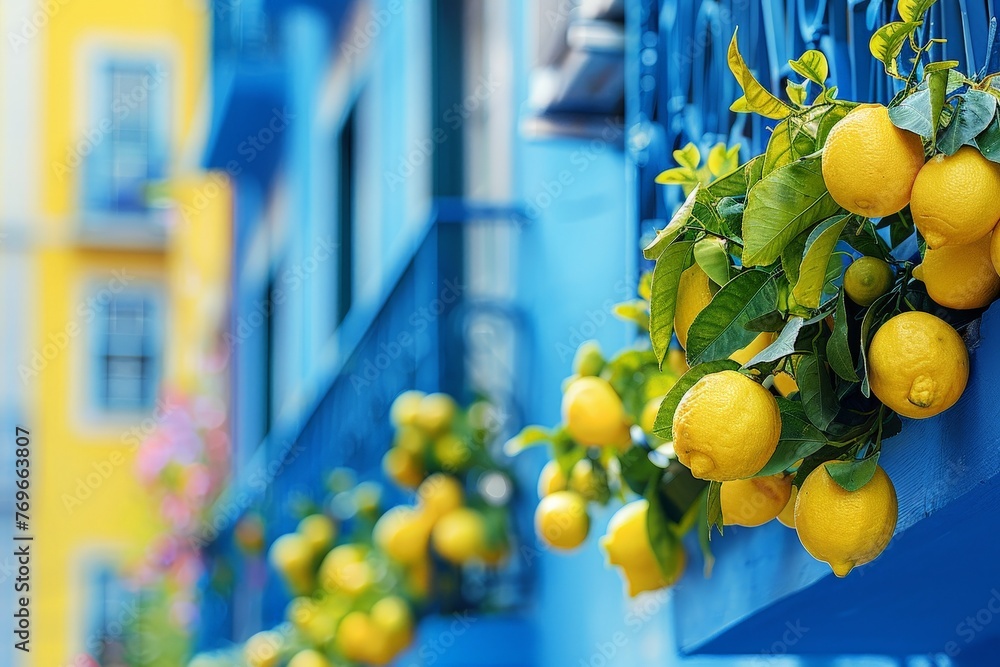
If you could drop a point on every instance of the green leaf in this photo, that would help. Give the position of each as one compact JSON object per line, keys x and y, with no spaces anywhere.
{"x":773,"y":321}
{"x":868,"y":323}
{"x":711,"y":255}
{"x":801,"y":135}
{"x":937,"y":84}
{"x":689,"y":157}
{"x":757,"y":98}
{"x":838,"y":350}
{"x":566,"y":452}
{"x":813,"y":66}
{"x":663,"y":426}
{"x":941,"y":66}
{"x":796,"y":92}
{"x":722,"y":160}
{"x":913,"y":10}
{"x":529,"y":436}
{"x":888,"y":41}
{"x":817,"y":391}
{"x":666,"y":278}
{"x":637,"y":469}
{"x":781,"y":206}
{"x":705,"y":535}
{"x":677,"y":176}
{"x":989,"y":141}
{"x":852,"y":475}
{"x":719,"y":329}
{"x":799,"y":438}
{"x":783,"y":345}
{"x":633,"y":311}
{"x":791,"y":256}
{"x":812,"y":272}
{"x":662,"y":537}
{"x":915,"y":113}
{"x":714,"y":507}
{"x":976,"y":110}
{"x":733,"y":184}
{"x":666,"y":235}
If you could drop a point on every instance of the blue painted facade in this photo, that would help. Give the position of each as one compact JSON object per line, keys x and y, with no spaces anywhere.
{"x":365,"y":199}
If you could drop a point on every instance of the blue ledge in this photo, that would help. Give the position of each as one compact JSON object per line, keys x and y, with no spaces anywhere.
{"x":935,"y":590}
{"x":464,"y":639}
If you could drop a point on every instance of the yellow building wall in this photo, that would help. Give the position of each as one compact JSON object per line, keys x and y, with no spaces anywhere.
{"x":89,"y":504}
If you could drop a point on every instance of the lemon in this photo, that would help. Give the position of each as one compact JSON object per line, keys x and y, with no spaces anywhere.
{"x":347,"y":570}
{"x":300,"y":611}
{"x":367,"y":497}
{"x":754,"y":501}
{"x":726,"y":427}
{"x":403,"y":467}
{"x":460,"y":535}
{"x":263,"y":649}
{"x":787,"y":515}
{"x":785,"y":383}
{"x":693,"y":294}
{"x":995,"y":249}
{"x":320,"y":531}
{"x":406,"y":407}
{"x":676,"y":361}
{"x":551,"y":479}
{"x":393,"y":616}
{"x":308,"y":658}
{"x":955,"y":198}
{"x":866,"y":279}
{"x":648,"y":417}
{"x":412,"y":439}
{"x":439,"y":494}
{"x":402,"y":534}
{"x":960,"y":276}
{"x":845,"y":528}
{"x":436,"y":414}
{"x":321,"y":628}
{"x":869,"y":164}
{"x":592,"y":412}
{"x":356,"y":635}
{"x":293,"y":558}
{"x":627,"y":546}
{"x":918,"y":365}
{"x":561,"y":520}
{"x":588,"y":359}
{"x":452,"y":452}
{"x":585,"y":481}
{"x":756,"y":346}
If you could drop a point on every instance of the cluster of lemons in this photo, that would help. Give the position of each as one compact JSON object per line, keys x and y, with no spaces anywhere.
{"x":357,"y":595}
{"x":595,"y":418}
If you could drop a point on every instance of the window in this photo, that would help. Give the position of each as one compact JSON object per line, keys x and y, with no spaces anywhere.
{"x":110,"y":612}
{"x":126,"y":137}
{"x":127,"y":353}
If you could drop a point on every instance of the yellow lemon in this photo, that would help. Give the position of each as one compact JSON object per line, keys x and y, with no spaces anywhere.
{"x":393,"y":616}
{"x":452,"y":452}
{"x":955,"y":198}
{"x":785,"y":383}
{"x":356,"y":635}
{"x":320,"y":531}
{"x":592,"y":412}
{"x":960,"y":276}
{"x":676,"y":361}
{"x":308,"y":658}
{"x":787,"y":515}
{"x":293,"y":558}
{"x":406,"y":407}
{"x":402,"y":534}
{"x":693,"y":294}
{"x":300,"y":611}
{"x":436,"y":414}
{"x":754,"y":501}
{"x":584,"y":480}
{"x":866,"y":279}
{"x":403,"y":467}
{"x":561,"y":520}
{"x":627,"y":546}
{"x":439,"y":494}
{"x":869,"y":164}
{"x":263,"y":649}
{"x":588,"y":359}
{"x":648,"y":417}
{"x":918,"y":365}
{"x":551,"y":479}
{"x":460,"y":535}
{"x":347,"y":570}
{"x":845,"y":528}
{"x":756,"y":346}
{"x":726,"y":427}
{"x":995,"y":249}
{"x":412,"y":439}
